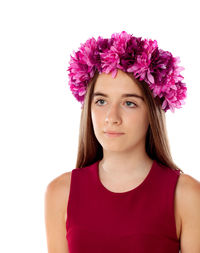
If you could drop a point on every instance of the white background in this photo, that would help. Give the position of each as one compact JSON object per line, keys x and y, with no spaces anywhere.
{"x":40,"y":117}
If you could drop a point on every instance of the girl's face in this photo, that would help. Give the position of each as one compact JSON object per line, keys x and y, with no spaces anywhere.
{"x":114,"y":111}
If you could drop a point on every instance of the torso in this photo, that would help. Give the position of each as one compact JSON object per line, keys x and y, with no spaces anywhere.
{"x":67,"y":179}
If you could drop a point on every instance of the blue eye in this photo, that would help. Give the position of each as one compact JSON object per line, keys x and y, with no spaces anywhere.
{"x":128,"y":102}
{"x":98,"y":101}
{"x":131,"y":103}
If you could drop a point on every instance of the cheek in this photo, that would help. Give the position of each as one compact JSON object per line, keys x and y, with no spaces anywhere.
{"x":138,"y":124}
{"x":97,"y":118}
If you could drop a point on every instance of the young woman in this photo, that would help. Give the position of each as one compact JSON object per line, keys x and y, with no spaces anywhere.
{"x":126,"y":194}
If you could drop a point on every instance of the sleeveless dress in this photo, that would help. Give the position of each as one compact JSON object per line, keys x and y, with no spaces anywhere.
{"x":140,"y":220}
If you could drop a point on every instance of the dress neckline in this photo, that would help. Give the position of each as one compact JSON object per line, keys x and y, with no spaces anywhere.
{"x":146,"y":179}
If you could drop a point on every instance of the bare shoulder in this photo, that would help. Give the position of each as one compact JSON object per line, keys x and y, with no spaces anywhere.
{"x":187,"y":186}
{"x":58,"y":191}
{"x":55,"y":205}
{"x":188,"y":202}
{"x":187,"y":190}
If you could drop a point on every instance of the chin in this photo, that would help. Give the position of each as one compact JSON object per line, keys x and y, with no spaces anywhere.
{"x":113,"y":147}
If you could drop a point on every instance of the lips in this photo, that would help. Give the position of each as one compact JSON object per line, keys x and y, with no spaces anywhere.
{"x":113,"y":133}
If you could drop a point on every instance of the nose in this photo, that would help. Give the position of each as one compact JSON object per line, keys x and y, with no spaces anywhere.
{"x":112,"y":115}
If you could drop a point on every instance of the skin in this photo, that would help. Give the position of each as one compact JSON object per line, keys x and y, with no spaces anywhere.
{"x":114,"y":114}
{"x":127,"y":115}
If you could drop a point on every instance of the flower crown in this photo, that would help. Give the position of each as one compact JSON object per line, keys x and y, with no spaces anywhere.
{"x":158,"y":68}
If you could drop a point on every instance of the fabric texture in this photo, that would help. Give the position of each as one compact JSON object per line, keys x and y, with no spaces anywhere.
{"x":140,"y":220}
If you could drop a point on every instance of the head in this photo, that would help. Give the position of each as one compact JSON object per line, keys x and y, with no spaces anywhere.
{"x":110,"y":111}
{"x":139,"y":117}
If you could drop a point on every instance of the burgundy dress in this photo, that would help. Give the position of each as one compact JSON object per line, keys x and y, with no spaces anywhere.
{"x":140,"y":220}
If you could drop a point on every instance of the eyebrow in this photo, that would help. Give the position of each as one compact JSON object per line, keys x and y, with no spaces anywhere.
{"x":123,"y":95}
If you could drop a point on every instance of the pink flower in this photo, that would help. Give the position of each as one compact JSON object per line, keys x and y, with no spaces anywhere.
{"x":158,"y":68}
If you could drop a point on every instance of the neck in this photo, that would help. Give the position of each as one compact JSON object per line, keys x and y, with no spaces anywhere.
{"x":125,"y":164}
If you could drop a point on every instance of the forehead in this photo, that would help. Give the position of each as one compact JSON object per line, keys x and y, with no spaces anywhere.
{"x":122,"y":83}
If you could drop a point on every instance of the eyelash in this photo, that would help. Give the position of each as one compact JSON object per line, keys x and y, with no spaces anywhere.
{"x":126,"y":101}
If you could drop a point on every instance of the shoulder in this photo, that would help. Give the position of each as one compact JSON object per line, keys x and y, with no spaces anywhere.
{"x":188,"y":199}
{"x":57,"y":192}
{"x":188,"y":188}
{"x":188,"y":192}
{"x":59,"y":184}
{"x":54,"y":212}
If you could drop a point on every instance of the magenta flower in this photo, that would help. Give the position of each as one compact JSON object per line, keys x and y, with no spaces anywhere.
{"x":158,"y":68}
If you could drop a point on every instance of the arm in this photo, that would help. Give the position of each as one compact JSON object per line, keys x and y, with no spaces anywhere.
{"x":190,"y":214}
{"x":55,"y":213}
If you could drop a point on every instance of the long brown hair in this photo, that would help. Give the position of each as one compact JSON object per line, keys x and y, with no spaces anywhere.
{"x":157,"y":144}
